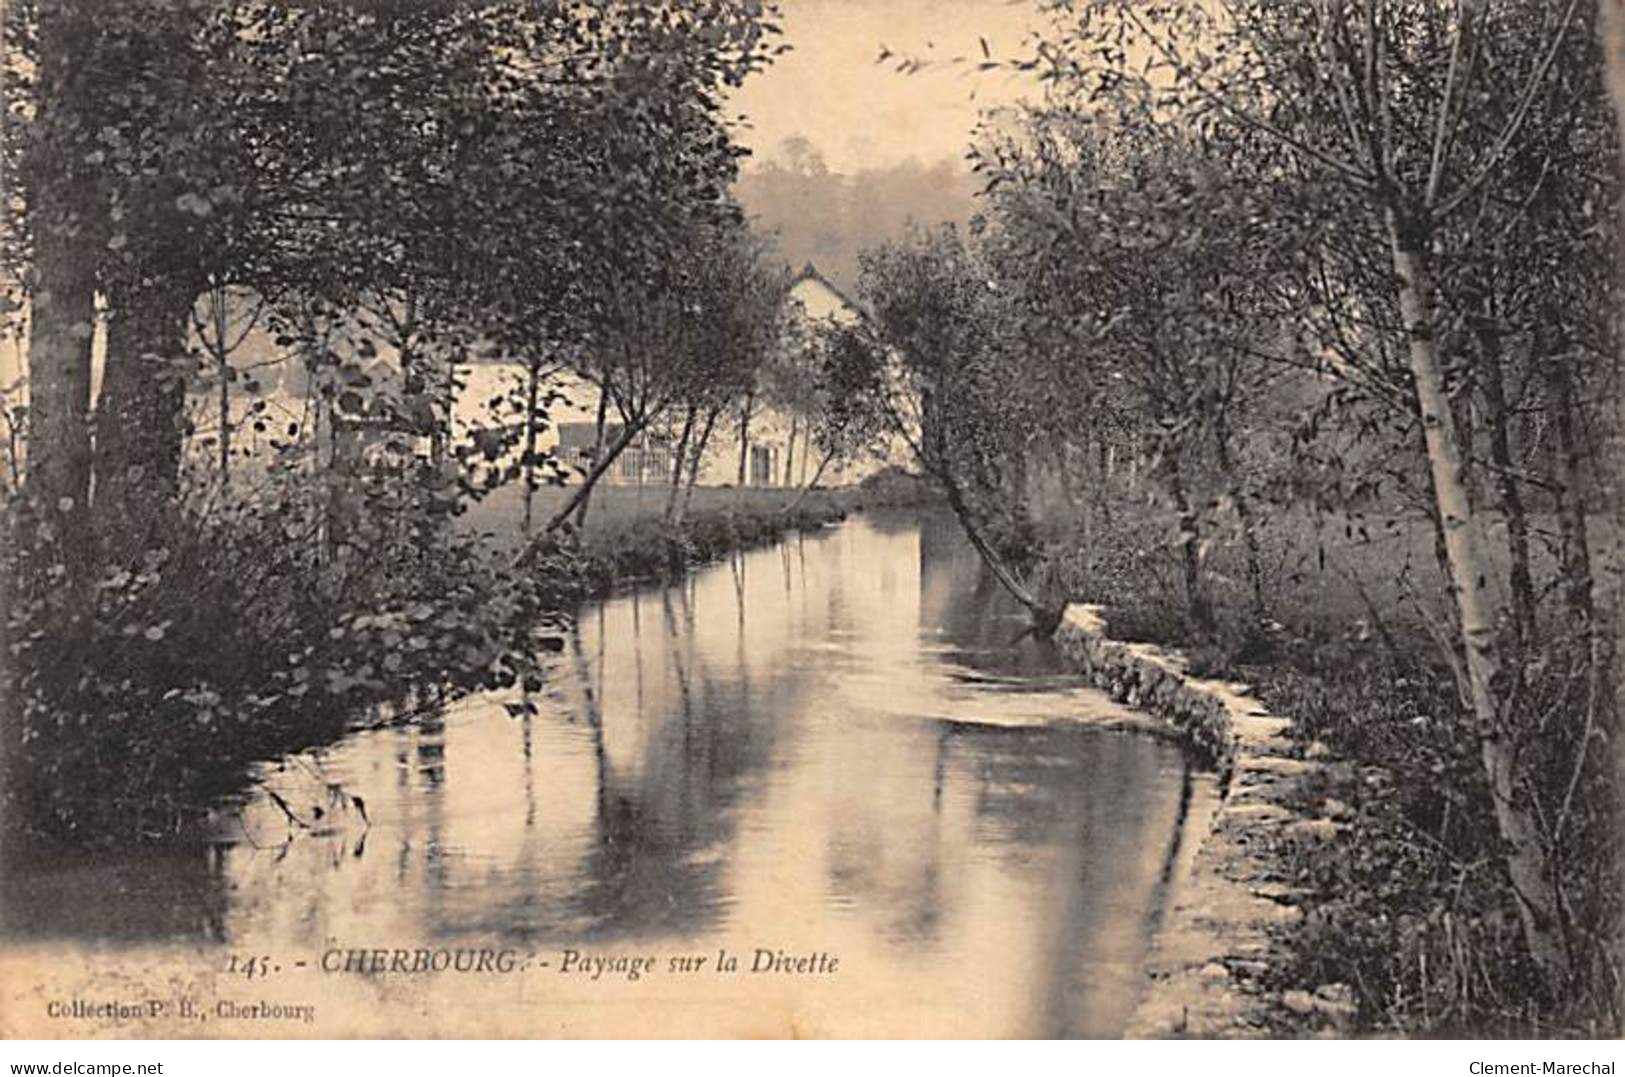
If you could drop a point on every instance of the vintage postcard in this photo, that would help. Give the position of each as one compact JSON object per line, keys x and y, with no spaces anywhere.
{"x":962,"y":519}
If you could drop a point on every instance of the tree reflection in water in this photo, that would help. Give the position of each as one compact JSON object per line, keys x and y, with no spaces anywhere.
{"x":830,"y":745}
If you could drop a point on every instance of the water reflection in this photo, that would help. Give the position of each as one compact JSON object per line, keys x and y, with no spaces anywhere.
{"x":832,"y":744}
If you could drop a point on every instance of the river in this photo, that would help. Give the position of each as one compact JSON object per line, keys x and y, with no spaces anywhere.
{"x":834,"y":752}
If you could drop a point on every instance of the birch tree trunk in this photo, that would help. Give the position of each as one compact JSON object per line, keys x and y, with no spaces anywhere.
{"x":744,"y":439}
{"x":790,"y":449}
{"x":1470,"y":576}
{"x":220,"y":349}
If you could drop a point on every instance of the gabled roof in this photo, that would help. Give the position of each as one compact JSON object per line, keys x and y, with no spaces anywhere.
{"x":810,"y":272}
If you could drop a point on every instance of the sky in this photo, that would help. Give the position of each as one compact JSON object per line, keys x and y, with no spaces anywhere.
{"x":861,"y":114}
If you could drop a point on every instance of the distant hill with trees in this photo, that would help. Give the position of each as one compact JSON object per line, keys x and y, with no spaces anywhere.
{"x":825,"y":217}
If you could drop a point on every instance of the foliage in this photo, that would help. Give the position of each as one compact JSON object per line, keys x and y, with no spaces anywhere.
{"x":244,"y":632}
{"x":393,"y":189}
{"x":944,"y":345}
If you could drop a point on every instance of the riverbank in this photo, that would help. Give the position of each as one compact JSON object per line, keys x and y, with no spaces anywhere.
{"x":244,"y":634}
{"x":286,"y":649}
{"x":628,"y":537}
{"x":1345,"y":630}
{"x":1345,"y":884}
{"x":1219,"y":959}
{"x":625,"y":548}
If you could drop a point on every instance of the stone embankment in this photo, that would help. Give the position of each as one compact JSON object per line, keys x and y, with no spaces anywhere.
{"x":1214,"y":962}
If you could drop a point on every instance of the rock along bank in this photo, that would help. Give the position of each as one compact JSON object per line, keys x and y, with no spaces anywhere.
{"x":1211,"y":958}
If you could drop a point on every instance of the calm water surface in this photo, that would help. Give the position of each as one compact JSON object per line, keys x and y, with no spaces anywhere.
{"x":834,"y":746}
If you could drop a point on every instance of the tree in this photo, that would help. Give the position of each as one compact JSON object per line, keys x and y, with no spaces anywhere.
{"x":943,"y":337}
{"x":387,"y":152}
{"x":1414,"y":114}
{"x":698,"y":320}
{"x":64,"y":233}
{"x":1163,"y":328}
{"x":847,"y":407}
{"x":478,"y":176}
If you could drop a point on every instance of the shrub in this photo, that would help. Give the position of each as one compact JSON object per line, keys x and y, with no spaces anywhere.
{"x":236,"y":632}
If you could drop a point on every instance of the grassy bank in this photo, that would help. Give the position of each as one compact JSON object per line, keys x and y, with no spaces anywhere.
{"x":249,"y":635}
{"x":627,"y":537}
{"x":628,"y":540}
{"x":1410,"y":904}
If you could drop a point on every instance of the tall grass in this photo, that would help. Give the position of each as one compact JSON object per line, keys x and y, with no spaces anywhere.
{"x":1410,"y":906}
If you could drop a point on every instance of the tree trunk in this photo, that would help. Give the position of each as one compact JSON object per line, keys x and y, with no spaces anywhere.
{"x":1045,"y":619}
{"x":1492,"y":382}
{"x":811,"y":486}
{"x":599,"y":467}
{"x":140,"y":414}
{"x":597,"y":454}
{"x":677,"y":466}
{"x":61,"y":327}
{"x":344,"y":495}
{"x":1471,"y":573}
{"x":694,"y":461}
{"x":790,"y":448}
{"x":1200,"y":609}
{"x":528,"y":462}
{"x":14,"y":475}
{"x":1103,"y":499}
{"x":65,"y":226}
{"x":222,"y":356}
{"x":225,"y":428}
{"x":744,"y":438}
{"x":1255,"y":556}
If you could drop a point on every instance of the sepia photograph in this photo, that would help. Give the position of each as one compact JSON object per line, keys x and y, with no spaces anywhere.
{"x":830,"y":519}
